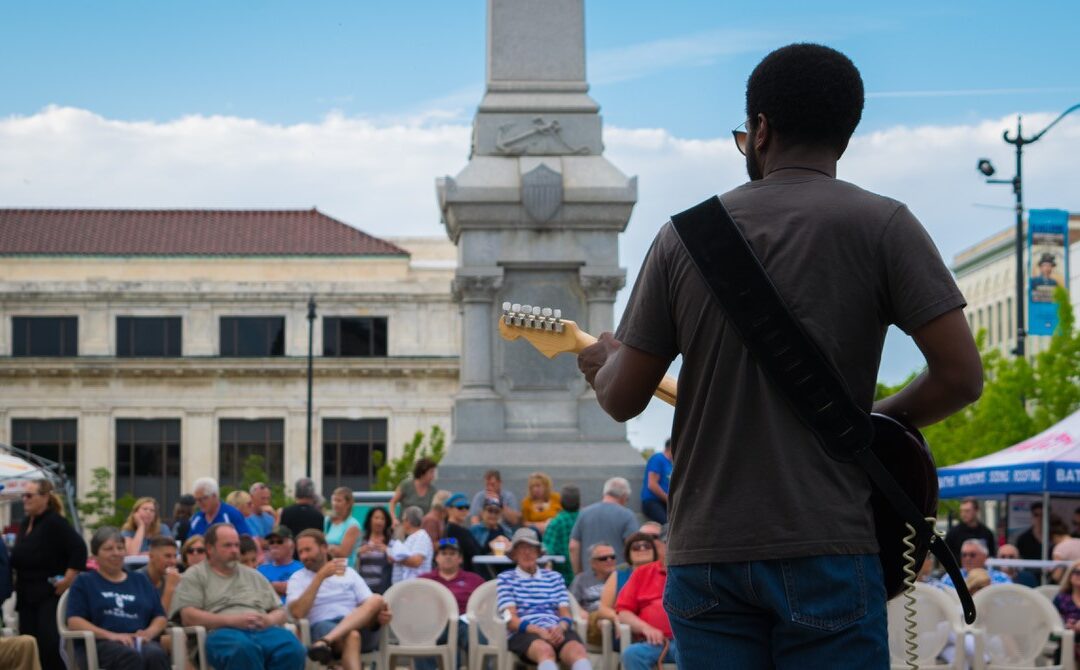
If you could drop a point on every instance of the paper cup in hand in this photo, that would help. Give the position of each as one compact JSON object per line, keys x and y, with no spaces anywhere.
{"x":341,"y":563}
{"x":499,"y":547}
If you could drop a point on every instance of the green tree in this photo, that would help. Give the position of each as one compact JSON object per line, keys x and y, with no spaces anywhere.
{"x":396,"y":470}
{"x":98,"y":507}
{"x":254,"y":470}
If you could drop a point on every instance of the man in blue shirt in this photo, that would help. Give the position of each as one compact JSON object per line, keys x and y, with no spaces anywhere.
{"x":654,"y":490}
{"x":213,"y":511}
{"x":281,"y":565}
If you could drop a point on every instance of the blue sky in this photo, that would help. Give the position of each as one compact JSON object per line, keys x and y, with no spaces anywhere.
{"x":356,"y":107}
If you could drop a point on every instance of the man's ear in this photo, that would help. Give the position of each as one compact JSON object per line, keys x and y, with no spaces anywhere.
{"x":762,"y":133}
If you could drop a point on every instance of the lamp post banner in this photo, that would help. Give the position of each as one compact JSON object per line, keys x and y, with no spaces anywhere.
{"x":1048,"y":267}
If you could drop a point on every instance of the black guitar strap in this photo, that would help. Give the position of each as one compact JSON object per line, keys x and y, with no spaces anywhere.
{"x":793,"y":362}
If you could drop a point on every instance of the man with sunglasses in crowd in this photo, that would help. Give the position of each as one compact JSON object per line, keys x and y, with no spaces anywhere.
{"x":589,"y":585}
{"x":457,"y":528}
{"x":281,"y":565}
{"x":772,"y":554}
{"x":461,"y":583}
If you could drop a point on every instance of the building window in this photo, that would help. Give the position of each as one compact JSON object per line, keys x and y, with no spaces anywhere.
{"x":148,"y":460}
{"x":52,"y":439}
{"x":1000,"y":332}
{"x":45,"y":336}
{"x":240,"y":439}
{"x":1009,"y":317}
{"x":354,"y":336}
{"x":147,"y":336}
{"x":352,"y":452}
{"x":252,"y":336}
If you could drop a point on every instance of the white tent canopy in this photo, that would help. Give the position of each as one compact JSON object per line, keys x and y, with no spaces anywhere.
{"x":16,"y":474}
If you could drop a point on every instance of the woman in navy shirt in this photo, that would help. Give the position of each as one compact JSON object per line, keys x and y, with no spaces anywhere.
{"x":121,"y":609}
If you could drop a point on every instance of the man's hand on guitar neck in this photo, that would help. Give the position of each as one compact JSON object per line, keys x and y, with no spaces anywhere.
{"x":623,"y":377}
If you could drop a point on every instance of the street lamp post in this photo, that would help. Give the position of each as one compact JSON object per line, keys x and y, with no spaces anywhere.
{"x":310,"y":366}
{"x":987,"y":168}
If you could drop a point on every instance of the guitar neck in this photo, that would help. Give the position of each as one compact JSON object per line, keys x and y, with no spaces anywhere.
{"x":666,"y":391}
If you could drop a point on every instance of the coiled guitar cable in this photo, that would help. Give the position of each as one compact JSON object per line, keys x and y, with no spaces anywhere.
{"x":911,"y":637}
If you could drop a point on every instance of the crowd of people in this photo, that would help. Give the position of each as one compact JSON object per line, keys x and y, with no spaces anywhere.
{"x":241,"y":568}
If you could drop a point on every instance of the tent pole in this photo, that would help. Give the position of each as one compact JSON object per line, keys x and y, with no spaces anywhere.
{"x":1045,"y":531}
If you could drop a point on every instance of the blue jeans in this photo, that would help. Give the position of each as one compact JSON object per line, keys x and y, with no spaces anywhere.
{"x":811,"y":612}
{"x":271,"y":648}
{"x":654,"y":510}
{"x":643,"y":656}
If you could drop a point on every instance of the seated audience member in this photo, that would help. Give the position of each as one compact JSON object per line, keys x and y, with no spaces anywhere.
{"x":192,"y":552}
{"x":249,"y":552}
{"x":658,"y":534}
{"x":1066,"y":548}
{"x":538,"y":606}
{"x":341,"y":529}
{"x":640,"y":605}
{"x":183,"y":510}
{"x":640,"y":549}
{"x":411,"y":557}
{"x":457,"y":527}
{"x":374,"y":564}
{"x":213,"y":511}
{"x":241,"y":612}
{"x":589,"y":585}
{"x":973,"y":555}
{"x":281,"y":565}
{"x":493,"y":488}
{"x":142,"y":524}
{"x":492,"y":533}
{"x":1067,"y":601}
{"x":241,"y":500}
{"x":541,"y":504}
{"x":926,"y":573}
{"x":461,"y":583}
{"x":263,"y":515}
{"x":122,"y":610}
{"x":161,"y":569}
{"x":1018,"y":576}
{"x":19,"y":651}
{"x":336,"y":601}
{"x":557,"y":535}
{"x":305,"y":512}
{"x":434,"y":522}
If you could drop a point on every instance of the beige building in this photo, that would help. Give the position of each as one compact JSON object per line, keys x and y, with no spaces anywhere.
{"x":171,"y":345}
{"x":986,"y":274}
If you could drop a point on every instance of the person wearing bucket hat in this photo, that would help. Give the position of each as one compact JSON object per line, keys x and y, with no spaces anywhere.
{"x":537,"y":607}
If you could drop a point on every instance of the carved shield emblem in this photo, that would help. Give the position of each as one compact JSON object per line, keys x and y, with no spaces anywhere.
{"x":541,"y":193}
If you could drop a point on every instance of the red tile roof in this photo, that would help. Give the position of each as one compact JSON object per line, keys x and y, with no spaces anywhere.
{"x":183,"y":232}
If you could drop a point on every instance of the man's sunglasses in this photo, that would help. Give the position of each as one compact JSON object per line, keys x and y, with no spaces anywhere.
{"x":275,"y":541}
{"x":461,"y":507}
{"x":740,"y":136}
{"x":605,"y":557}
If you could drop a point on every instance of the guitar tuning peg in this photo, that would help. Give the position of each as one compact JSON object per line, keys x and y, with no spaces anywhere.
{"x":506,"y":307}
{"x":557,"y":313}
{"x":536,"y":311}
{"x":516,"y":307}
{"x":526,"y":309}
{"x":546,"y":311}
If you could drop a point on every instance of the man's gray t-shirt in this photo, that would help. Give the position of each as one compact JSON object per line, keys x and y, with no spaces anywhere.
{"x":603,"y":522}
{"x":587,"y":589}
{"x":750,"y":482}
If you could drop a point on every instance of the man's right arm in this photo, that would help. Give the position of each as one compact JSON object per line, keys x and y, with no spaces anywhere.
{"x":953,"y":377}
{"x":192,"y":616}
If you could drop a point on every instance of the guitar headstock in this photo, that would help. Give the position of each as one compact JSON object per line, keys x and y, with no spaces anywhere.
{"x":543,"y":327}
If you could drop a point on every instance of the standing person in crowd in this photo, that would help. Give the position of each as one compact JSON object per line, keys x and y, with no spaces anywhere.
{"x":607,"y":521}
{"x":212,"y":510}
{"x":461,"y":583}
{"x":970,"y":528}
{"x":641,"y":606}
{"x":541,"y":504}
{"x":122,"y":610}
{"x":241,"y":612}
{"x":457,"y":528}
{"x":973,"y":555}
{"x":341,"y":529}
{"x":373,"y":562}
{"x":654,"y":490}
{"x":589,"y":585}
{"x":434,"y":522}
{"x":305,"y":512}
{"x":48,"y":554}
{"x":537,"y":608}
{"x":1029,"y":542}
{"x":183,"y":510}
{"x":263,"y":516}
{"x":557,"y":537}
{"x":740,"y":447}
{"x":411,"y":557}
{"x":282,"y":565}
{"x":336,"y":601}
{"x":142,"y":524}
{"x":416,"y":491}
{"x":161,"y":569}
{"x":192,"y":552}
{"x":640,"y":549}
{"x":493,"y":488}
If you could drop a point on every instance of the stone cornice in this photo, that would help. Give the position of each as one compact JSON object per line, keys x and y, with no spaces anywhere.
{"x":194,"y":367}
{"x":17,"y":292}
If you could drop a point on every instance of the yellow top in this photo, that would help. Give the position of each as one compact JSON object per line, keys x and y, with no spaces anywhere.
{"x":538,"y":512}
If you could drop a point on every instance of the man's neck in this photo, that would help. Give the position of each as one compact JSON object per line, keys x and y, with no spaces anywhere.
{"x":153,"y":573}
{"x":448,"y":576}
{"x":790,"y":159}
{"x":282,"y":563}
{"x":612,"y":499}
{"x":222,"y":570}
{"x":212,"y":511}
{"x":974,"y":523}
{"x":305,"y":501}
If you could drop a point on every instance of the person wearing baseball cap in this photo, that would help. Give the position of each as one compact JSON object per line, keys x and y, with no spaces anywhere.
{"x":281,"y":565}
{"x":492,"y":534}
{"x":457,"y":528}
{"x":537,"y":605}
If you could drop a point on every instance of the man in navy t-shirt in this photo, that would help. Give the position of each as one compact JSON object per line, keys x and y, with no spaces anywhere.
{"x":654,"y":490}
{"x":212,"y":510}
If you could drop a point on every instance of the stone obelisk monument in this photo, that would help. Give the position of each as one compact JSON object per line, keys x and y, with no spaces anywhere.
{"x":535,"y":214}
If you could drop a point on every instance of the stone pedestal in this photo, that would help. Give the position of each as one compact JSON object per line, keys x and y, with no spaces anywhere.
{"x":536,"y":215}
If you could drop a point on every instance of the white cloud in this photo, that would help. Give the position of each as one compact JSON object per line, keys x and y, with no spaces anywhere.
{"x":379,"y":175}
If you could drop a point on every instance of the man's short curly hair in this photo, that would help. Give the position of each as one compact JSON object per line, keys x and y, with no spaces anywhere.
{"x":809,"y":93}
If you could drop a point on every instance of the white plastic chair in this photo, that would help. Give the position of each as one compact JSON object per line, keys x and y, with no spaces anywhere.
{"x":937,"y":615}
{"x":304,"y":628}
{"x":482,"y":616}
{"x":1049,"y":590}
{"x":68,"y":636}
{"x":422,"y":609}
{"x":626,"y":638}
{"x":179,"y":637}
{"x":602,"y":657}
{"x":1014,"y":625}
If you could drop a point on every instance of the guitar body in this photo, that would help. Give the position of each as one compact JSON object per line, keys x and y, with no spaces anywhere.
{"x":904,"y":453}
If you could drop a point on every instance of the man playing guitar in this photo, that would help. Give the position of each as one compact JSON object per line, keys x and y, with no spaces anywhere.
{"x":772,"y":551}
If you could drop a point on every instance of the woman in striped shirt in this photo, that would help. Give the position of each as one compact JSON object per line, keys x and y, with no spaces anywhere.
{"x":540,"y":628}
